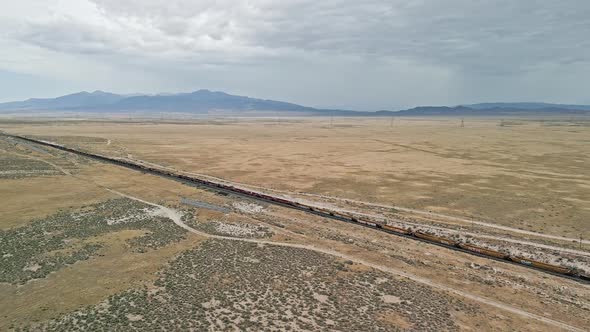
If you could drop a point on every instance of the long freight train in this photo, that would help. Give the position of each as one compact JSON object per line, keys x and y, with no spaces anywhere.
{"x":438,"y":240}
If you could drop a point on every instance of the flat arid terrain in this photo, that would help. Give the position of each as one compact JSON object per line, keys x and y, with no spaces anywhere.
{"x":530,"y":175}
{"x":94,"y":246}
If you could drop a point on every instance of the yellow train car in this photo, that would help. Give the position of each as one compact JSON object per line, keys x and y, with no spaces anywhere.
{"x":434,"y":238}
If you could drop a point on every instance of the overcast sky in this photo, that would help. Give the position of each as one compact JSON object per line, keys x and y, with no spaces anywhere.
{"x":365,"y":55}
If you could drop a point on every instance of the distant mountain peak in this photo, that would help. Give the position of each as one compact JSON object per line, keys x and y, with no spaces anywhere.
{"x":210,"y":92}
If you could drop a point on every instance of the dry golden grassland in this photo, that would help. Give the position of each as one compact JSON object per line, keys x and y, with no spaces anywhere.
{"x":528,"y":174}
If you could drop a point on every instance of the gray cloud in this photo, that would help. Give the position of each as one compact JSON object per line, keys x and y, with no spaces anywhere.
{"x":428,"y":43}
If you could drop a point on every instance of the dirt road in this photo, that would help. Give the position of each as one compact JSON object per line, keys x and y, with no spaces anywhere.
{"x":176,"y":217}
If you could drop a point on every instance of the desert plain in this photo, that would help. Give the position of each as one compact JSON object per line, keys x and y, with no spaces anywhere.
{"x":88,"y":245}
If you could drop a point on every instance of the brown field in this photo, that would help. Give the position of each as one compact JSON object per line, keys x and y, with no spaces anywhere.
{"x":527,"y":174}
{"x":265,"y":267}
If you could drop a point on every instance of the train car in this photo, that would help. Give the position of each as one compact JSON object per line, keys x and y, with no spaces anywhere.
{"x":241,"y":190}
{"x":541,"y":265}
{"x":345,"y":217}
{"x":553,"y":268}
{"x":483,"y":251}
{"x":46,"y":142}
{"x":394,"y":229}
{"x":364,"y":222}
{"x":521,"y":260}
{"x":332,"y":213}
{"x":270,"y":198}
{"x":282,"y":201}
{"x":434,"y":238}
{"x":301,"y":206}
{"x":326,"y":211}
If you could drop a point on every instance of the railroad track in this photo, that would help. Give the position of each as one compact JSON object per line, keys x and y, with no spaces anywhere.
{"x":322,"y":212}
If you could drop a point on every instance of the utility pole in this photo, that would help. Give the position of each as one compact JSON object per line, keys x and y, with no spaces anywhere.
{"x":331,"y":119}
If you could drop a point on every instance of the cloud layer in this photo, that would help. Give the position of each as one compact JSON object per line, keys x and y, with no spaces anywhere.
{"x":357,"y":54}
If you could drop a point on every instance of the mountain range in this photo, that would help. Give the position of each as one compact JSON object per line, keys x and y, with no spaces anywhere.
{"x":200,"y":101}
{"x":204,"y":101}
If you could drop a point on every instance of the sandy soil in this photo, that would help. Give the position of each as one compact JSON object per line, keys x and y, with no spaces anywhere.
{"x":528,"y":175}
